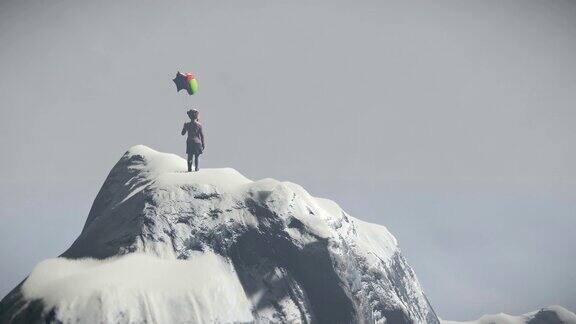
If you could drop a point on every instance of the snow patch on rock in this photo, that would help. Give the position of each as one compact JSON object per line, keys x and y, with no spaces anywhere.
{"x":549,"y":315}
{"x":140,"y":288}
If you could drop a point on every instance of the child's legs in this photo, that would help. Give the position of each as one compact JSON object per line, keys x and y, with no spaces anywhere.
{"x":190,"y":161}
{"x":196,"y":157}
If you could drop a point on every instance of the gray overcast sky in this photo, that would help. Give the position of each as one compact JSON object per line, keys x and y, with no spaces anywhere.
{"x":451,"y":122}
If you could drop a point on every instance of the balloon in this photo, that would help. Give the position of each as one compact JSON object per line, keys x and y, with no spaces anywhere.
{"x":186,"y":82}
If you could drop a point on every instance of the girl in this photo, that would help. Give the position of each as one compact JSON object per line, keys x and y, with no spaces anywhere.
{"x":195,"y":140}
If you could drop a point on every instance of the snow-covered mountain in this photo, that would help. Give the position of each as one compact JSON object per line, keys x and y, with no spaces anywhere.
{"x":548,"y":315}
{"x":163,"y":245}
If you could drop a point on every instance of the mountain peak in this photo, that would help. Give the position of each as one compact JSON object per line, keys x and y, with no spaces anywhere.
{"x":172,"y":169}
{"x":283,"y":254}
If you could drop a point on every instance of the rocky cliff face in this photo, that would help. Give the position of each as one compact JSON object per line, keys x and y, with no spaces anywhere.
{"x":163,"y":245}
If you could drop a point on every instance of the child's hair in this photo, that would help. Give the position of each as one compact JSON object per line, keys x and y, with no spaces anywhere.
{"x":193,"y":113}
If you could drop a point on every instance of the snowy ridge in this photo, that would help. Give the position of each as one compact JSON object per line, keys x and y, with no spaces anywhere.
{"x":547,"y":315}
{"x":166,"y":246}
